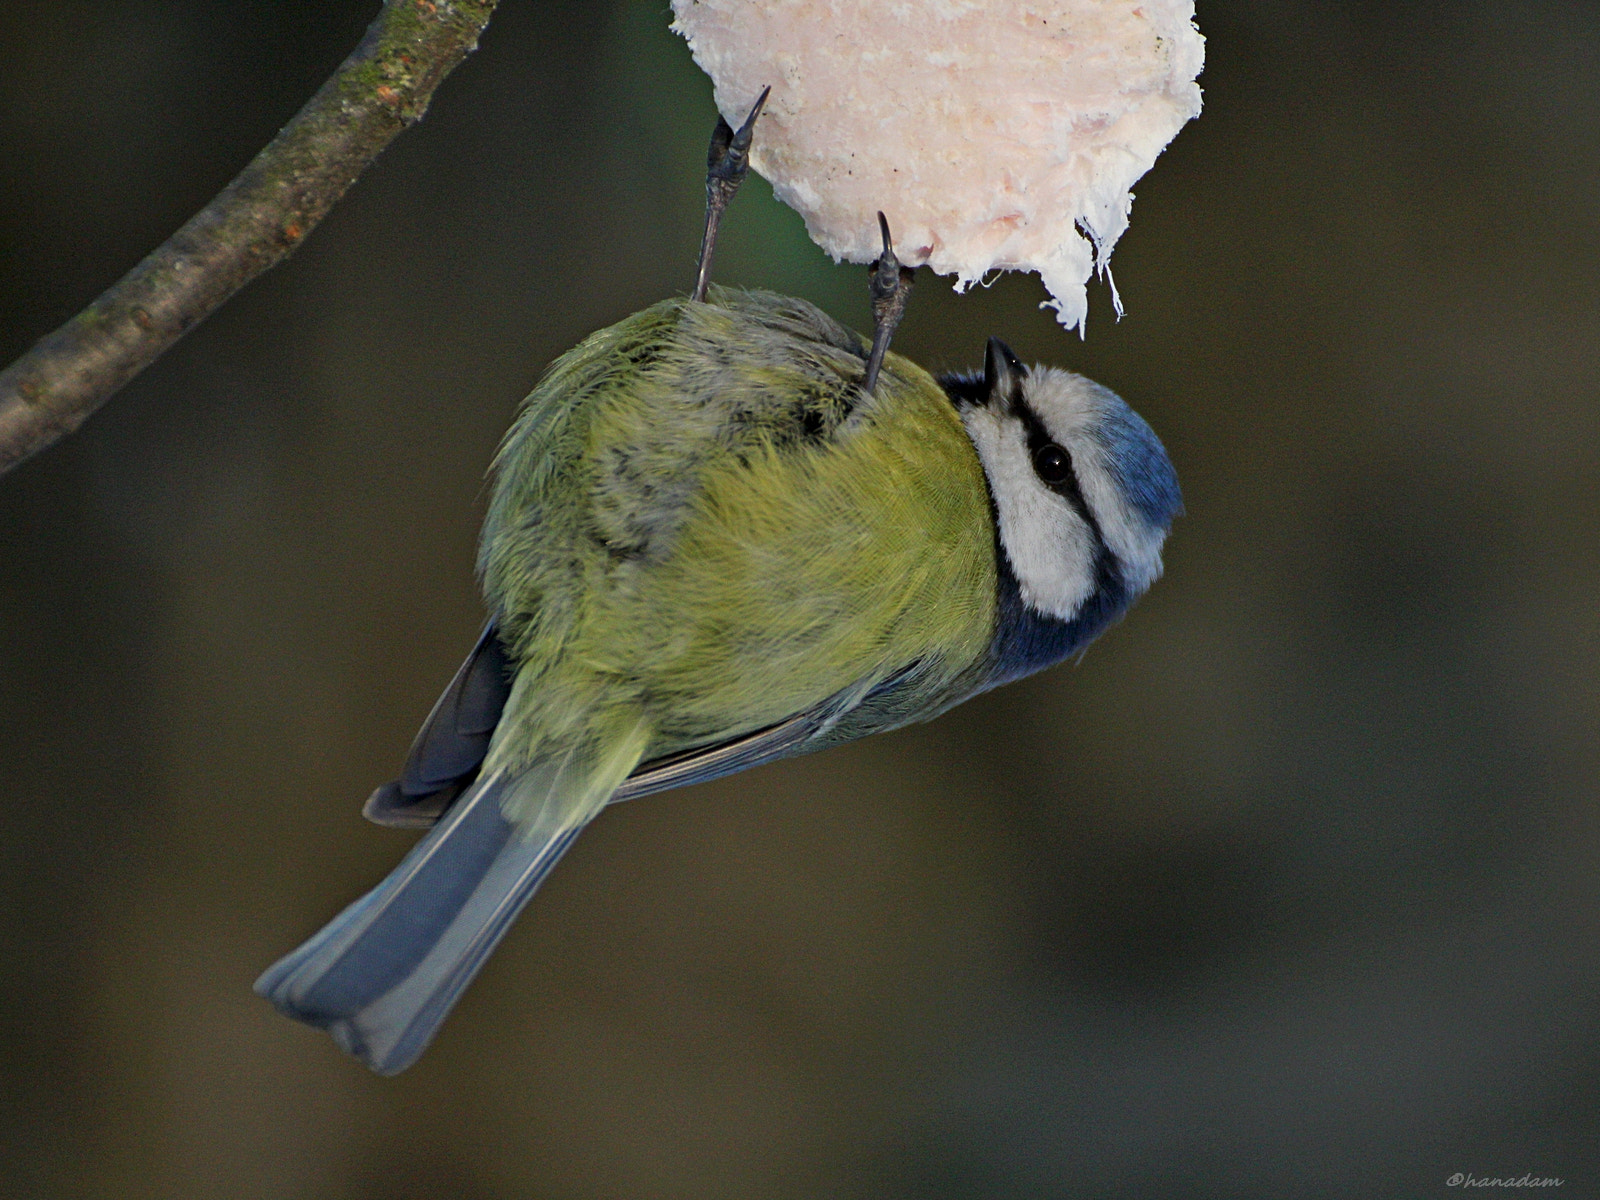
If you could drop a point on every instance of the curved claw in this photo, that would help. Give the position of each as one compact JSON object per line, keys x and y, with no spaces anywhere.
{"x":727,"y":163}
{"x":739,"y":145}
{"x":890,"y":285}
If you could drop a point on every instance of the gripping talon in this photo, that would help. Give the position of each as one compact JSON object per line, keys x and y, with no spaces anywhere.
{"x":890,"y":286}
{"x":727,"y":163}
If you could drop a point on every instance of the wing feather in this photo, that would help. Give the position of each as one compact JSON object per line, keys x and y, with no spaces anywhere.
{"x":450,"y":747}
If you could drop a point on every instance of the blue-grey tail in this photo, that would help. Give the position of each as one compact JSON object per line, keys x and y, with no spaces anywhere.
{"x":384,"y":973}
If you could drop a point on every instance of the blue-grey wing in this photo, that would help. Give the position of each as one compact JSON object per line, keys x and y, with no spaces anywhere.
{"x":713,"y":762}
{"x":451,"y":745}
{"x":836,"y":719}
{"x":450,"y":748}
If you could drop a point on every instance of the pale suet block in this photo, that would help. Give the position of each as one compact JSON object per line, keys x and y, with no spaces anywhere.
{"x":995,"y":134}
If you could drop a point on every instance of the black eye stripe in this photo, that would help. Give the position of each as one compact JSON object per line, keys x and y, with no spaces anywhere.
{"x":1039,"y":442}
{"x":970,"y":390}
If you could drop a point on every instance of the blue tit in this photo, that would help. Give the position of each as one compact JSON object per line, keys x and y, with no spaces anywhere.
{"x":708,"y":547}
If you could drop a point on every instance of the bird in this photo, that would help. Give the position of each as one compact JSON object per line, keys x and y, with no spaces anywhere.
{"x":709,"y":546}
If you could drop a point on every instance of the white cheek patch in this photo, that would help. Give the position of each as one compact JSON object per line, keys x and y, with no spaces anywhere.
{"x":1051,"y":548}
{"x":1072,"y":409}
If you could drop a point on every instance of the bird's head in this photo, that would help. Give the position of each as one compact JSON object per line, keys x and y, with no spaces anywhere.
{"x":1083,"y":491}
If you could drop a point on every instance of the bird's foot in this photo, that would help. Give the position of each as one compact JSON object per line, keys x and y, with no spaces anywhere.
{"x":727,"y":163}
{"x":890,"y":286}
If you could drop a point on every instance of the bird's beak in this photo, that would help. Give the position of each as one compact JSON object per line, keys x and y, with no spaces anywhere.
{"x":1003,"y":374}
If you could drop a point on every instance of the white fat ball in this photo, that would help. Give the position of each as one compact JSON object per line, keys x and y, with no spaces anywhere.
{"x":995,"y":134}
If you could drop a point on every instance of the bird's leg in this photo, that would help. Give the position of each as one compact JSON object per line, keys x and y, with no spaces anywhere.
{"x":727,"y":163}
{"x":890,"y":285}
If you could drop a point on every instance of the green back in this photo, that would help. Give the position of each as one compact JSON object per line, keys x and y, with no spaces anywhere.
{"x":700,"y":526}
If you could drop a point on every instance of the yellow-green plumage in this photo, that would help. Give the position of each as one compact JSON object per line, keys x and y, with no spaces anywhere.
{"x":701,"y":529}
{"x":700,"y":526}
{"x":708,"y":548}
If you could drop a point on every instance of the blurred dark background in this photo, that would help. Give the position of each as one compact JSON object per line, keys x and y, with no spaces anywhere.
{"x":1291,"y":887}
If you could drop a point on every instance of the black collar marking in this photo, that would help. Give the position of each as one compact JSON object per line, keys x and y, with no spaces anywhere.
{"x":1026,"y":640}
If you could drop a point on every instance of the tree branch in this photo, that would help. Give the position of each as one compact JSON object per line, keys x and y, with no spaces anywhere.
{"x":253,"y":224}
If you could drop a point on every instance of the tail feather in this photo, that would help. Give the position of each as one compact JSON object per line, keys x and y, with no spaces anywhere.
{"x":382,"y":976}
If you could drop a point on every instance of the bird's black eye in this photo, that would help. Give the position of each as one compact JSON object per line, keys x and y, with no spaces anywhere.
{"x":1051,"y":464}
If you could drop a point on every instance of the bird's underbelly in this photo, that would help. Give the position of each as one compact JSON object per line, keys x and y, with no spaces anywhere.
{"x":743,"y":626}
{"x":671,"y":547}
